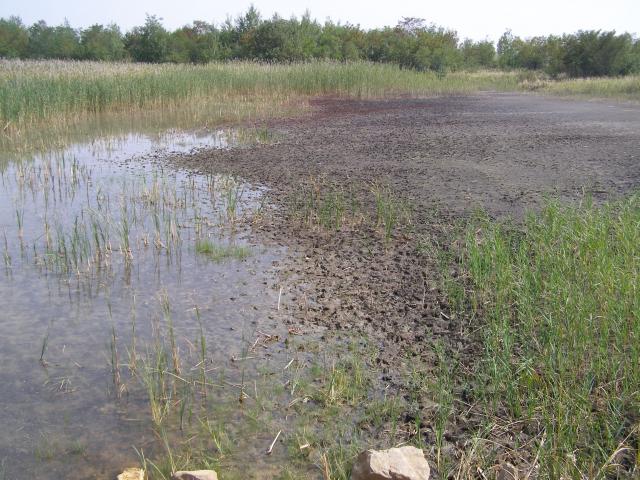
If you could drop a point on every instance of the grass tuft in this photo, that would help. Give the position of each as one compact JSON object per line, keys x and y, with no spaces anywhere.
{"x":218,"y":253}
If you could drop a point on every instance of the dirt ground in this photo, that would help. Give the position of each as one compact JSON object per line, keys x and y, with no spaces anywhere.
{"x":498,"y":151}
{"x":447,"y":157}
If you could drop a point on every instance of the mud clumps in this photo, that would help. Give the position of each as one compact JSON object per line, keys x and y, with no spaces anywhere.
{"x":446,"y":157}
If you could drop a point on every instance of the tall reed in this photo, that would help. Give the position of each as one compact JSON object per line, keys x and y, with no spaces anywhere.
{"x":32,"y":91}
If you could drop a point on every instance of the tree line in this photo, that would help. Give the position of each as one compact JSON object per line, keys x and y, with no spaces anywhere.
{"x":412,"y":43}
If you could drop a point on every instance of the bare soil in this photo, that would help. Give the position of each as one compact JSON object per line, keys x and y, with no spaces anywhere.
{"x":447,"y":157}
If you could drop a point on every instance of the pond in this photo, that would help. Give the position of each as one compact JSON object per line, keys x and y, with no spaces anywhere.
{"x":118,"y":276}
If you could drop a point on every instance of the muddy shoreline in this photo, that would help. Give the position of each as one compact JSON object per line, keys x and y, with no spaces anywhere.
{"x":446,"y":158}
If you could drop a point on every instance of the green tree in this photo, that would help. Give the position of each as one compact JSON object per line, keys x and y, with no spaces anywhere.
{"x":278,"y":39}
{"x":14,"y":38}
{"x":148,"y":43}
{"x":508,"y":46}
{"x":246,"y":26}
{"x":65,"y":42}
{"x":425,"y":47}
{"x":412,"y":43}
{"x":197,"y":43}
{"x":53,"y":42}
{"x":102,"y":43}
{"x":478,"y":54}
{"x":598,"y":53}
{"x":635,"y":57}
{"x":554,"y":51}
{"x":532,"y":53}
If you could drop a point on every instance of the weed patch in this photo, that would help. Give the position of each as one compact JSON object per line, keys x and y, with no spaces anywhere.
{"x":560,"y":305}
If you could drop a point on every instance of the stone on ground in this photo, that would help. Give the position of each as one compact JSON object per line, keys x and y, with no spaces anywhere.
{"x":405,"y":463}
{"x":195,"y":475}
{"x":131,"y":474}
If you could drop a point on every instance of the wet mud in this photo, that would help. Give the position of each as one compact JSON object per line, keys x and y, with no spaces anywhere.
{"x":447,"y":158}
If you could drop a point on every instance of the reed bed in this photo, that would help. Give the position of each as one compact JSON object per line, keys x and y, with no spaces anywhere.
{"x":32,"y":91}
{"x":62,"y":91}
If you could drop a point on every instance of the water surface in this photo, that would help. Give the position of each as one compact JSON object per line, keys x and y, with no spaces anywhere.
{"x":98,"y":262}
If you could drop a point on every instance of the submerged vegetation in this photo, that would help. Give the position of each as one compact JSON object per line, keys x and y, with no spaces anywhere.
{"x":290,"y":409}
{"x":218,"y":253}
{"x":86,"y":227}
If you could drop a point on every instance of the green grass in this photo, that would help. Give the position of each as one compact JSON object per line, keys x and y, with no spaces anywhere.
{"x":332,"y":207}
{"x":323,"y":205}
{"x":218,"y":253}
{"x":559,"y":306}
{"x":390,"y":210}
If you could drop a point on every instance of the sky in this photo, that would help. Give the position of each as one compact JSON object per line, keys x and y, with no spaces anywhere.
{"x":479,"y":20}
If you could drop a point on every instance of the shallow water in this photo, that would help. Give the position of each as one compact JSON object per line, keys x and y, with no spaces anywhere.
{"x":98,"y":261}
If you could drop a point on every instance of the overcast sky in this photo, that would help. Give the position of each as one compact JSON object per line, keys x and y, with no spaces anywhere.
{"x":473,"y":19}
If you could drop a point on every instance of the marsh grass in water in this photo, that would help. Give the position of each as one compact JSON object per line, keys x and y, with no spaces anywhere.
{"x":218,"y":252}
{"x":558,"y":301}
{"x":77,"y":447}
{"x":306,"y":399}
{"x":102,"y":242}
{"x":90,"y":224}
{"x":47,"y":447}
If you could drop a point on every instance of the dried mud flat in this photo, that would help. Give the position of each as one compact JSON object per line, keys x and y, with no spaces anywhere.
{"x":447,"y":157}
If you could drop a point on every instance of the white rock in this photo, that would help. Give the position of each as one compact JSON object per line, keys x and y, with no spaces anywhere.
{"x":195,"y":475}
{"x":131,"y":474}
{"x":405,"y":463}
